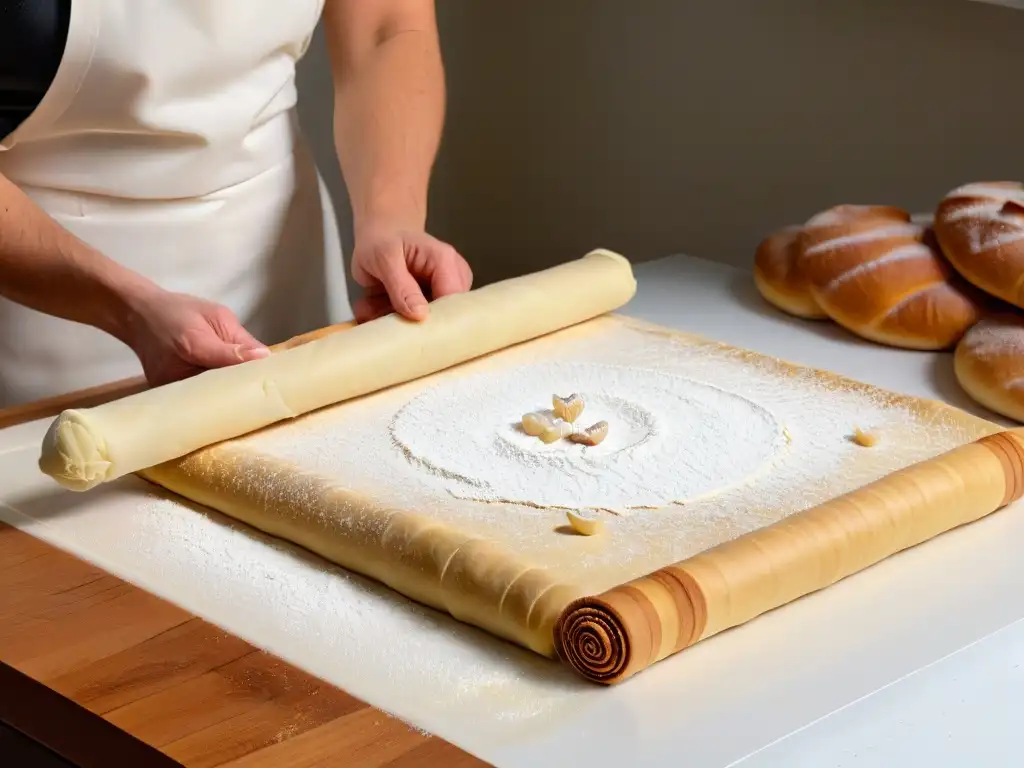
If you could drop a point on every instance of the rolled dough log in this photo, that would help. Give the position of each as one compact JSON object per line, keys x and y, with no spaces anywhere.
{"x":86,"y":447}
{"x":608,"y":638}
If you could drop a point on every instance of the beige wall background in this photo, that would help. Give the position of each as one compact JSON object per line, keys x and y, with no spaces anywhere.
{"x":696,"y":126}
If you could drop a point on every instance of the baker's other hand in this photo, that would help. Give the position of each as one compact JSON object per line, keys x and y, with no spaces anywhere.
{"x":399,"y":268}
{"x":176,"y":336}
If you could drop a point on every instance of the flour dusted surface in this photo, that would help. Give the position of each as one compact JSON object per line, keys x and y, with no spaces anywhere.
{"x":670,"y":439}
{"x":789,"y":430}
{"x":341,"y":617}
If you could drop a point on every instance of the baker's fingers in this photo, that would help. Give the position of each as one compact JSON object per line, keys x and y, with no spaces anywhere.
{"x":371,"y":306}
{"x":402,"y":289}
{"x":467,"y":274}
{"x":440,"y":266}
{"x":170,"y":372}
{"x":252,"y":348}
{"x":229,"y":329}
{"x":448,"y":271}
{"x":206,"y":349}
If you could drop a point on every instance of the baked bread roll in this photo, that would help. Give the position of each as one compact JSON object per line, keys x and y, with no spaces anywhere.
{"x":980,"y":228}
{"x":778,"y":272}
{"x":989,"y":364}
{"x":882,"y":276}
{"x":779,"y":281}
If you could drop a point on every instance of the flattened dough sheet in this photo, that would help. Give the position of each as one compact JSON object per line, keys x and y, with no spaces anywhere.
{"x":333,"y":483}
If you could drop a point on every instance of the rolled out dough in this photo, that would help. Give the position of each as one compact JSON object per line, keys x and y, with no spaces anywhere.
{"x":86,"y":447}
{"x":670,"y":439}
{"x":335,"y":483}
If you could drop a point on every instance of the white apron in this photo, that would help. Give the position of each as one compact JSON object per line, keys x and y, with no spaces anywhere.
{"x":169,"y":142}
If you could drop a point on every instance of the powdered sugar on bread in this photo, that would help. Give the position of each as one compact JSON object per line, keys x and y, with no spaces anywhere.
{"x":895,"y":256}
{"x":866,"y":236}
{"x":981,"y":231}
{"x":1005,"y":190}
{"x":994,"y":336}
{"x":989,"y":364}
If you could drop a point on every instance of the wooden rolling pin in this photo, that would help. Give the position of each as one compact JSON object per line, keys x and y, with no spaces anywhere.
{"x":612,"y":636}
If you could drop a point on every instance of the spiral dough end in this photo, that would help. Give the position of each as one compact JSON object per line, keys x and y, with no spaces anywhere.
{"x":592,"y":638}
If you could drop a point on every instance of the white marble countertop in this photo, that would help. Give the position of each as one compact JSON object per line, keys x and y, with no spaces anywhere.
{"x":915,"y":661}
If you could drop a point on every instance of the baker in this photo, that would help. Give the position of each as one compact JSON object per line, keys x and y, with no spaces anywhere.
{"x":159,"y":208}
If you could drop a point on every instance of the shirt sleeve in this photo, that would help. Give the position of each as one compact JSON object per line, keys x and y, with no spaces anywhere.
{"x":33,"y":34}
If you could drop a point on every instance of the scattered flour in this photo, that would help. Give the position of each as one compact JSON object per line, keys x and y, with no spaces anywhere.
{"x":755,"y":441}
{"x":352,"y":631}
{"x":670,"y":439}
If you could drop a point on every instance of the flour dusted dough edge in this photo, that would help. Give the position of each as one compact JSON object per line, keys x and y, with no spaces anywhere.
{"x":475,"y":580}
{"x":469,"y":577}
{"x":86,"y":447}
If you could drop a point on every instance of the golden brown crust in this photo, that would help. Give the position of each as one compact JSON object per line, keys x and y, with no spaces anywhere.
{"x":989,"y":364}
{"x":883,"y":277}
{"x":779,"y":280}
{"x":779,"y":270}
{"x":980,"y":228}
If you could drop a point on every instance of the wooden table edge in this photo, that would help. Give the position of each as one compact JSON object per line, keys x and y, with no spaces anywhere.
{"x":68,"y":729}
{"x":34,"y":679}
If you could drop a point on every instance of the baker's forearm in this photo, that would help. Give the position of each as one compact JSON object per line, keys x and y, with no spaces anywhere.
{"x":389,"y":113}
{"x":45,"y":267}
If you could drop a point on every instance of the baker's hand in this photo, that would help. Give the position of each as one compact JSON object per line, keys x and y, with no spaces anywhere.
{"x":398,"y":268}
{"x":176,"y":336}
